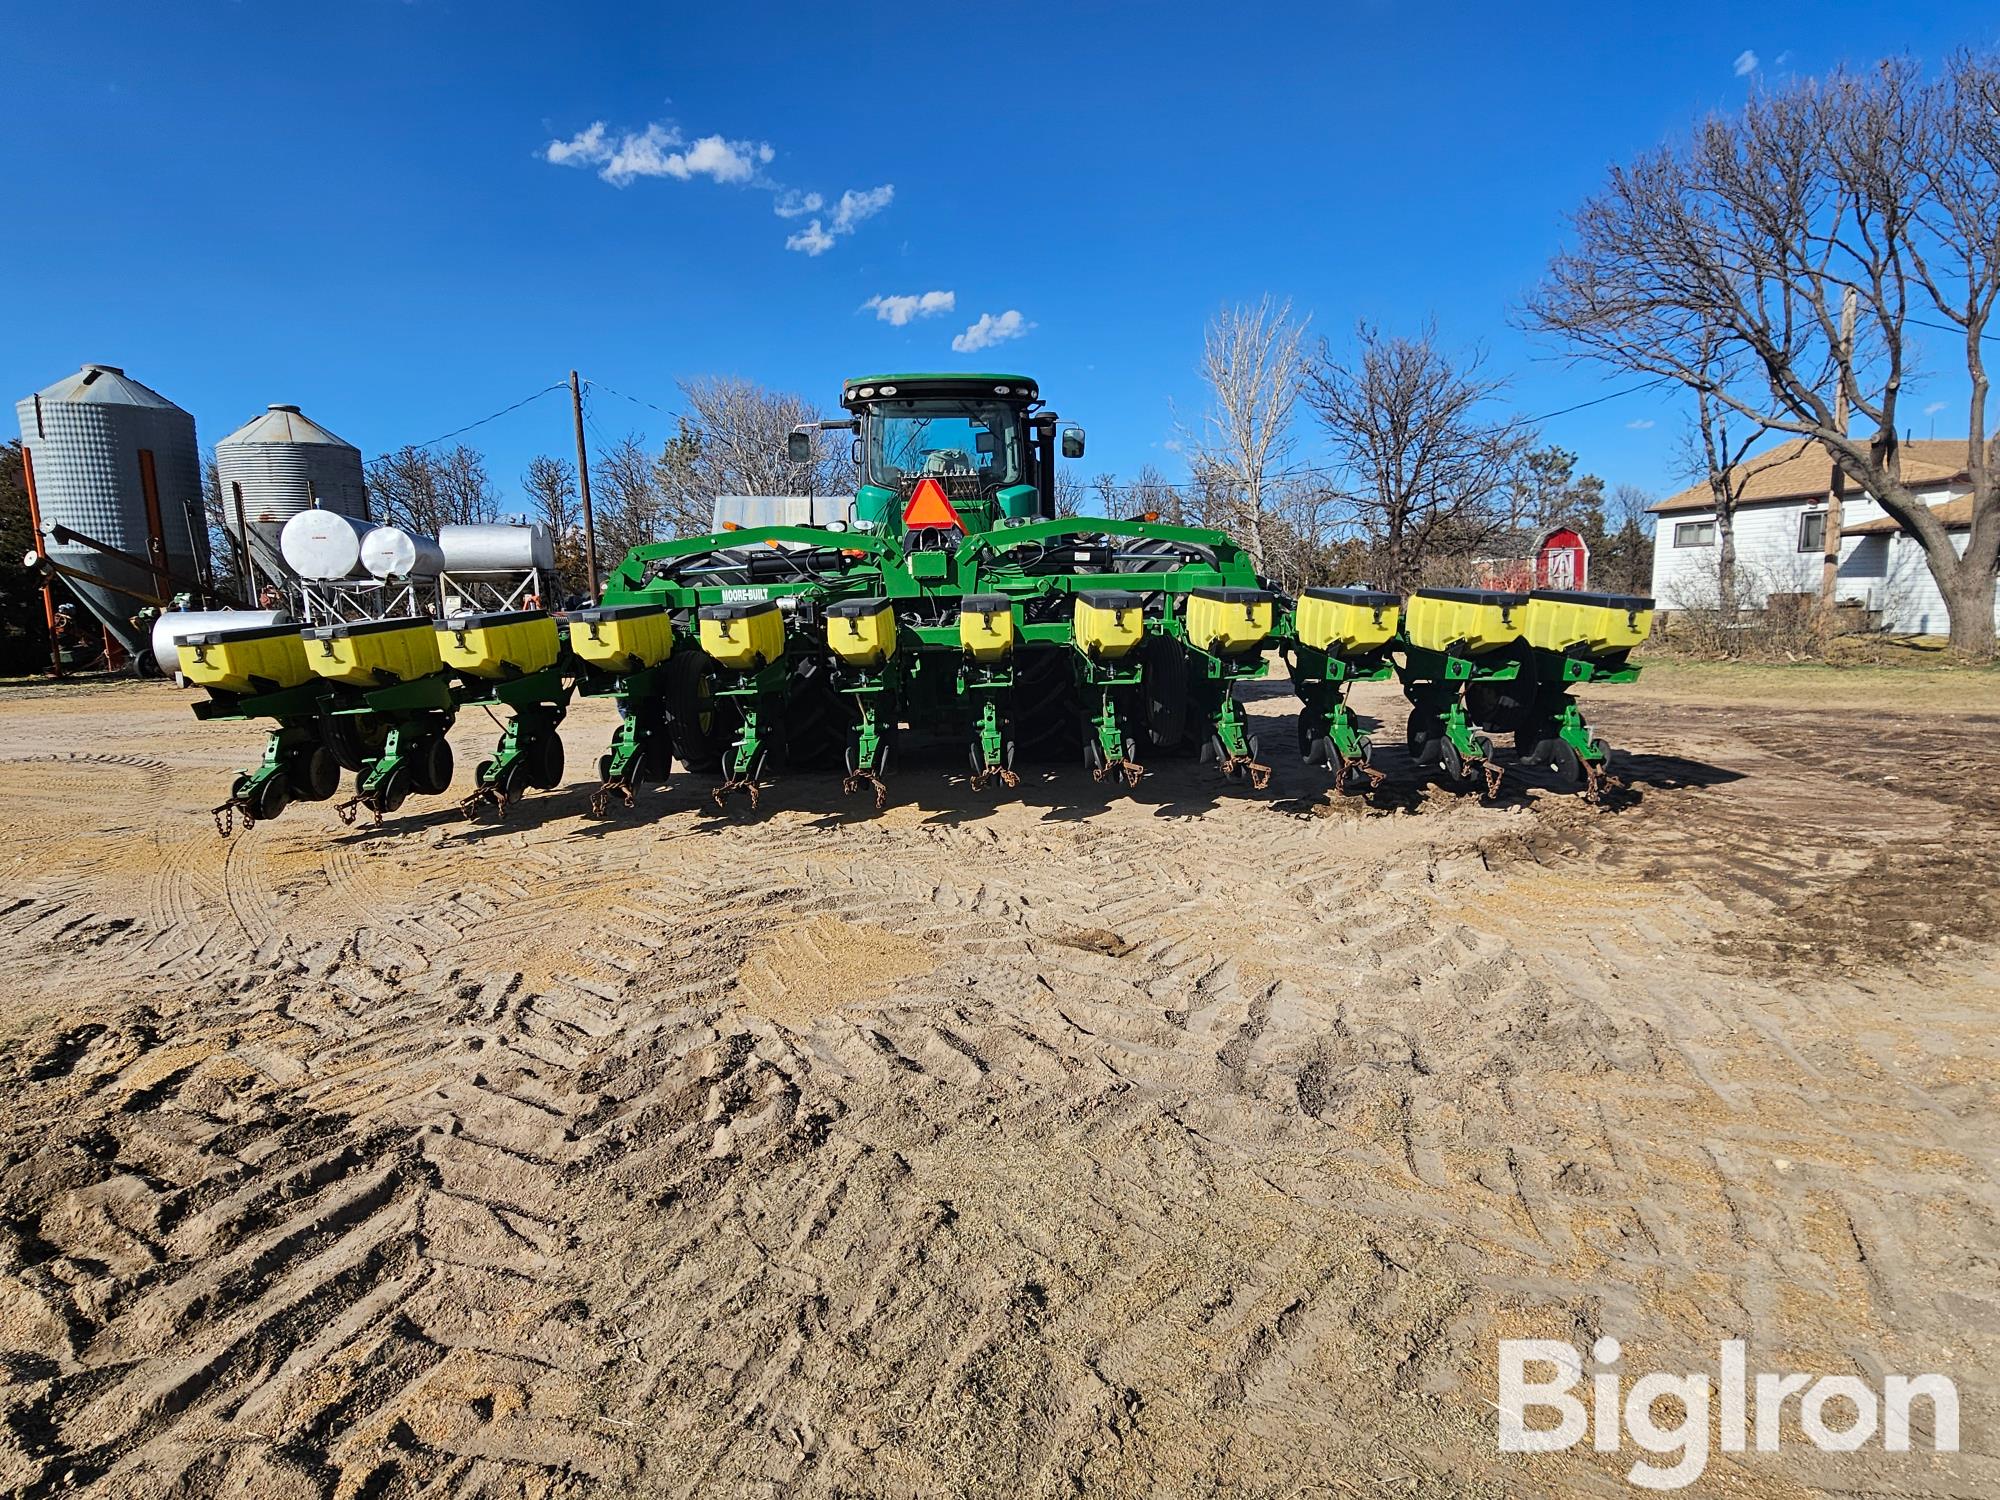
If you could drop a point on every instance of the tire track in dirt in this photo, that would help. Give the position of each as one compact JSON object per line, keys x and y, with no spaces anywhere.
{"x":994,"y":1155}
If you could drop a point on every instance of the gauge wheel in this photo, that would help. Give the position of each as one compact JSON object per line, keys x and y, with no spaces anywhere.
{"x":393,"y":791}
{"x":431,"y":767}
{"x":1566,"y":763}
{"x":270,"y":799}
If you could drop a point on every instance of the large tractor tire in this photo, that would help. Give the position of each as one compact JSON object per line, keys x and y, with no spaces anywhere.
{"x":702,"y":726}
{"x":1171,"y":728}
{"x":816,"y":717}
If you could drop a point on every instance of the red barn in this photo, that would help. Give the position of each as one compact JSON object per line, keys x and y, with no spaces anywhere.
{"x":1562,"y":561}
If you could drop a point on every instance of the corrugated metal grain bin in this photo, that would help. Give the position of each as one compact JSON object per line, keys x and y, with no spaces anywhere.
{"x":113,"y":460}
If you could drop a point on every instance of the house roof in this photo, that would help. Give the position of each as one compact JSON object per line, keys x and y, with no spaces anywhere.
{"x":1956,"y":515}
{"x":1801,"y":470}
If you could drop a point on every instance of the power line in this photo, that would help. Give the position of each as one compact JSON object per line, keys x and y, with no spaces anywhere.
{"x":600,"y":385}
{"x":561,"y":385}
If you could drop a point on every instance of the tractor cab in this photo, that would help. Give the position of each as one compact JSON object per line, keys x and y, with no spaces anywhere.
{"x":943,"y":456}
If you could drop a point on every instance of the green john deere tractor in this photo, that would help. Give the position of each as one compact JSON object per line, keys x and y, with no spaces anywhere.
{"x":951,"y":601}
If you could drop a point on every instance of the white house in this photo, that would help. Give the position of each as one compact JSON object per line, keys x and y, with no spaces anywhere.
{"x":1780,"y":536}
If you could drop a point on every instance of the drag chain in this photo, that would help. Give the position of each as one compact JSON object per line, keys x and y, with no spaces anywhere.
{"x":601,"y":798}
{"x":1598,"y":781}
{"x":1129,"y":770}
{"x":481,"y":797}
{"x":1347,"y":767}
{"x":226,"y":815}
{"x":982,"y":779}
{"x":736,"y":784}
{"x":1257,"y":771}
{"x":349,"y":810}
{"x":859,"y":779}
{"x":1495,"y":773}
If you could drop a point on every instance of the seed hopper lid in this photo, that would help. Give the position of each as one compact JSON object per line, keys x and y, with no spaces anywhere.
{"x":227,"y":634}
{"x":1110,"y":598}
{"x":603,"y":613}
{"x":491,"y":621}
{"x":985,"y":604}
{"x":1628,"y":603}
{"x":1366,"y":598}
{"x":856,"y":609}
{"x":744,"y":611}
{"x":1235,"y":596}
{"x":1499,"y":597}
{"x":348,"y":628}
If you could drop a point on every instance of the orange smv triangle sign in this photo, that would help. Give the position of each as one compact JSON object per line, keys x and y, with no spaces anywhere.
{"x":928,"y":507}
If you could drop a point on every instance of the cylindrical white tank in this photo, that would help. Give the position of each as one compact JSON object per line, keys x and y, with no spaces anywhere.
{"x":323,"y":545}
{"x":391,"y":552}
{"x":170,"y":628}
{"x":495,"y":549}
{"x":108,"y":456}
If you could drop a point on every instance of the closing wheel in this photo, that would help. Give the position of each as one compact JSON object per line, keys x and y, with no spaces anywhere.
{"x":312,"y":774}
{"x":1457,"y":769}
{"x":270,"y":799}
{"x":513,"y":781}
{"x":431,"y":766}
{"x":393,"y":791}
{"x":547,"y":755}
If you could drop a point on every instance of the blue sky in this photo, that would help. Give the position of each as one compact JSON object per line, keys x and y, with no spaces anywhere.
{"x":353,"y":206}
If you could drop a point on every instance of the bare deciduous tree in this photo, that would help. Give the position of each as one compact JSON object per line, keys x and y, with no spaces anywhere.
{"x":1742,"y":243}
{"x":627,"y":505}
{"x":420,"y":489}
{"x":1253,"y":365}
{"x":1070,"y":493}
{"x":731,"y":441}
{"x":552,"y":500}
{"x":1425,"y":470}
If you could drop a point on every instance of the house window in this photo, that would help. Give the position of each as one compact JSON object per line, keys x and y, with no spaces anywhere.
{"x":1694,"y":534}
{"x":1812,"y":531}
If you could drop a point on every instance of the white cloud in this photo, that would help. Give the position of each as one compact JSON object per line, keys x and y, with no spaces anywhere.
{"x":1746,"y":63}
{"x":1640,"y":424}
{"x":657,"y":151}
{"x":853,"y":207}
{"x":1784,"y":58}
{"x":819,"y":234}
{"x":1935,"y":407}
{"x":662,"y":151}
{"x":583,"y":148}
{"x":897,"y":311}
{"x":990,"y":330}
{"x":812,"y":239}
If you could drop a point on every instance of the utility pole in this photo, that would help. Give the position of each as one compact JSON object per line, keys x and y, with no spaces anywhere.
{"x":583,"y":485}
{"x":1829,"y":573}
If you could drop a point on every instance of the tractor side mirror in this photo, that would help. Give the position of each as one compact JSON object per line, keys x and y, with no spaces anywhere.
{"x":1072,"y":442}
{"x":983,"y":441}
{"x":799,"y":446}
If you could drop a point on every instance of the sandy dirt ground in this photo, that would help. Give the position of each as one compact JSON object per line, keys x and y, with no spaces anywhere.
{"x":1186,"y":1142}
